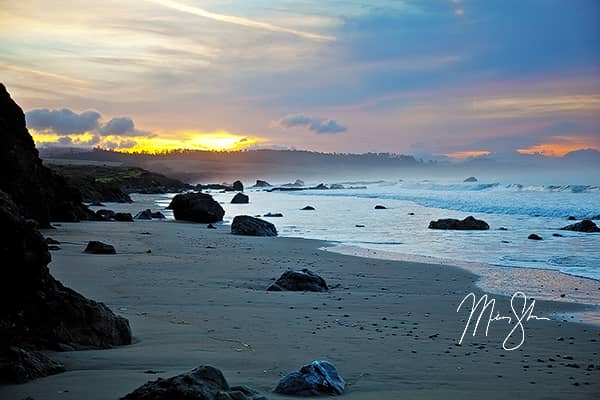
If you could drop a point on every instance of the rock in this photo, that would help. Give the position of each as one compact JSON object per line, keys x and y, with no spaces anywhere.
{"x":240,"y":198}
{"x":320,"y":186}
{"x":584,"y":226}
{"x":196,"y":207}
{"x":19,"y":366}
{"x":468,"y":223}
{"x":318,"y":378}
{"x":146,"y":214}
{"x":411,"y":213}
{"x":250,"y":226}
{"x":595,"y":217}
{"x":379,"y":207}
{"x":299,"y":281}
{"x":202,"y":383}
{"x":359,"y":226}
{"x":502,"y":228}
{"x":274,"y":215}
{"x":37,"y":192}
{"x":123,"y":217}
{"x":38,"y":312}
{"x":157,"y":215}
{"x":53,"y":247}
{"x":96,"y":204}
{"x":470,"y":179}
{"x":261,"y":184}
{"x":571,"y":218}
{"x":336,"y":186}
{"x":211,"y":226}
{"x":105,"y":215}
{"x":534,"y":236}
{"x":96,"y":247}
{"x":557,"y":235}
{"x":308,"y":208}
{"x":238,"y":186}
{"x":49,"y":240}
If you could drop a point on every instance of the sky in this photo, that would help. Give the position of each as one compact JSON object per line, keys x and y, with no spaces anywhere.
{"x":438,"y":78}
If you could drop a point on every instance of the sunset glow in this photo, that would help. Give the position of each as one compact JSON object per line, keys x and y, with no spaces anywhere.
{"x":462,"y":155}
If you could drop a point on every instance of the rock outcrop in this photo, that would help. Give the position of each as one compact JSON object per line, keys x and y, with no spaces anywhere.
{"x":37,"y":311}
{"x":470,"y":179}
{"x":146,"y":214}
{"x":535,"y":236}
{"x":96,"y":247}
{"x":251,"y":226}
{"x":240,"y":198}
{"x":202,"y":383}
{"x":19,"y":366}
{"x":158,"y":215}
{"x":319,"y":378}
{"x":123,"y":217}
{"x":38,"y":193}
{"x":308,"y":208}
{"x":261,"y":184}
{"x":380,"y":207}
{"x":196,"y":207}
{"x":273,"y":215}
{"x":299,"y":281}
{"x":469,"y":223}
{"x":586,"y":226}
{"x":238,"y":186}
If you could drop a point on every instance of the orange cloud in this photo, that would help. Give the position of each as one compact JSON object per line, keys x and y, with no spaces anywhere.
{"x":461,"y":155}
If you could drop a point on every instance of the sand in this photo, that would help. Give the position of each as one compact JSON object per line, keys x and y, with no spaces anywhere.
{"x":390,"y":327}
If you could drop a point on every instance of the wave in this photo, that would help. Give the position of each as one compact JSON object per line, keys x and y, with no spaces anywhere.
{"x":498,"y":186}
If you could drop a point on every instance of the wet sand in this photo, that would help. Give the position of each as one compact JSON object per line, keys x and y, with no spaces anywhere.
{"x":390,"y":327}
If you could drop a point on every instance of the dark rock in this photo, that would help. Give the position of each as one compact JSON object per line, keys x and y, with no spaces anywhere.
{"x":95,"y":247}
{"x":274,"y":215}
{"x":337,"y":186}
{"x":595,"y":217}
{"x":196,"y":207}
{"x":37,"y":311}
{"x":202,"y":383}
{"x":315,"y":379}
{"x":468,"y":223}
{"x":157,"y":215}
{"x":211,"y":226}
{"x":584,"y":226}
{"x":502,"y":228}
{"x":557,"y":235}
{"x":123,"y":217}
{"x":37,"y":192}
{"x":379,"y":207}
{"x":534,"y":236}
{"x":320,"y":186}
{"x":19,"y":366}
{"x":49,"y":240}
{"x":250,"y":226}
{"x":97,"y":204}
{"x":308,"y":208}
{"x":299,"y":281}
{"x":571,"y":218}
{"x":53,"y":247}
{"x":105,"y":215}
{"x":411,"y":213}
{"x":238,"y":186}
{"x":470,"y":179}
{"x":146,"y":214}
{"x":261,"y":184}
{"x":240,"y":198}
{"x":359,"y":226}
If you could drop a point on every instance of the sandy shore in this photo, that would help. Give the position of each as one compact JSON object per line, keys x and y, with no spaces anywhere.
{"x":390,"y":327}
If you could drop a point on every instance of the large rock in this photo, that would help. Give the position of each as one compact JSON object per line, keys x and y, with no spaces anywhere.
{"x":123,"y":217}
{"x":37,"y":311}
{"x":299,"y":281}
{"x":584,"y":226}
{"x":38,"y":193}
{"x":250,"y":226}
{"x":96,"y":247}
{"x":196,"y":207}
{"x":469,"y":223}
{"x":202,"y":383}
{"x":470,"y":179}
{"x":158,"y":215}
{"x":19,"y":366}
{"x":238,"y":186}
{"x":240,"y":198}
{"x":261,"y":184}
{"x":105,"y":215}
{"x":319,"y":378}
{"x":146,"y":214}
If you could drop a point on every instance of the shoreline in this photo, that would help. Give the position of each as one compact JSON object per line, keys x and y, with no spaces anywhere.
{"x":390,"y":327}
{"x":544,"y":284}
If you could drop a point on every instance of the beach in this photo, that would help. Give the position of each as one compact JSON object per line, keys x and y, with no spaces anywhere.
{"x":390,"y":327}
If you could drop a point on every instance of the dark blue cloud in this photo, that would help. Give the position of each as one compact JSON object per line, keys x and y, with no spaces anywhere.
{"x":62,"y":122}
{"x":317,"y":125}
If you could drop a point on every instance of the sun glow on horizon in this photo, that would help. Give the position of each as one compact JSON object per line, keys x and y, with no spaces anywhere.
{"x":462,"y":155}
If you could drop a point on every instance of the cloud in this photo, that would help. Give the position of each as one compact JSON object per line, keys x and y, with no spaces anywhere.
{"x":121,"y":126}
{"x":175,"y":5}
{"x":317,"y":125}
{"x":62,"y":122}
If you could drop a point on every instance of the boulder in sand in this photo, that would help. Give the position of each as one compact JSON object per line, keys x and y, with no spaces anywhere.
{"x":202,"y":383}
{"x":319,"y":378}
{"x":238,"y":186}
{"x":96,"y":247}
{"x":380,"y":207}
{"x":299,"y":281}
{"x":251,"y":226}
{"x":196,"y":207}
{"x":273,"y":215}
{"x":308,"y":208}
{"x":470,"y":179}
{"x":469,"y":223}
{"x":586,"y":226}
{"x":123,"y":217}
{"x":535,"y":236}
{"x":240,"y":198}
{"x":146,"y":214}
